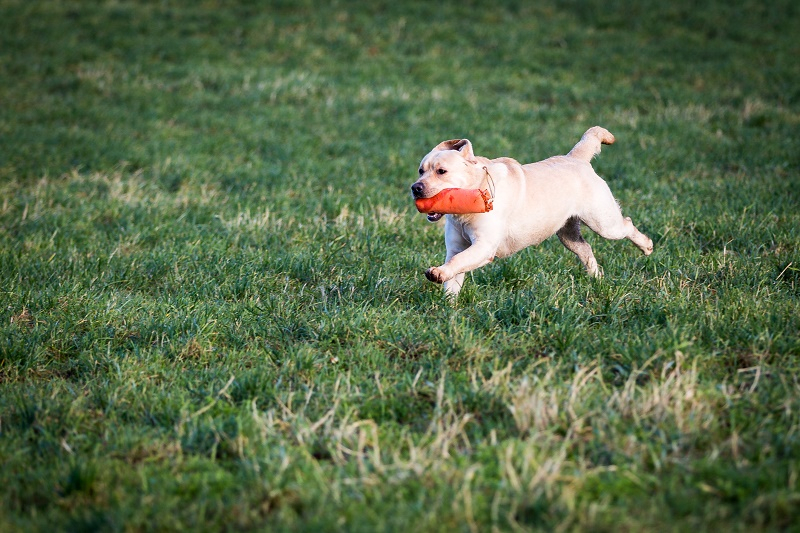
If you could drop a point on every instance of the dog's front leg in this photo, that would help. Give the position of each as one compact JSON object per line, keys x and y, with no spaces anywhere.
{"x":453,"y":286}
{"x":477,"y":255}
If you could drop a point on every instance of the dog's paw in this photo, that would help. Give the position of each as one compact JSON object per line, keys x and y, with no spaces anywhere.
{"x":436,"y":275}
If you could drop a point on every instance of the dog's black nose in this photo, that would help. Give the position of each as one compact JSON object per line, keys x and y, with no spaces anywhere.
{"x":417,"y":189}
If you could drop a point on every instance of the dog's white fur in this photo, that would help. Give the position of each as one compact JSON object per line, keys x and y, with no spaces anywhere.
{"x":532,"y":202}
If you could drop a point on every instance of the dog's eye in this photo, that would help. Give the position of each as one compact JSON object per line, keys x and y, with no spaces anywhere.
{"x":421,"y":171}
{"x":441,"y":171}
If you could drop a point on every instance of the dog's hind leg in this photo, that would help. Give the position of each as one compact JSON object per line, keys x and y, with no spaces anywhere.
{"x":642,"y":241}
{"x":612,"y":225}
{"x":570,"y":236}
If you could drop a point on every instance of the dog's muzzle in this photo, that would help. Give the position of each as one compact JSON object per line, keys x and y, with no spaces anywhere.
{"x":418,"y":191}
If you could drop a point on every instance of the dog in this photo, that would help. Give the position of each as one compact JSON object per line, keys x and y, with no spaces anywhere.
{"x":531,"y":203}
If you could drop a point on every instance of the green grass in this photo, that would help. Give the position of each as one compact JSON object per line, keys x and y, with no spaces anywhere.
{"x":212,"y":308}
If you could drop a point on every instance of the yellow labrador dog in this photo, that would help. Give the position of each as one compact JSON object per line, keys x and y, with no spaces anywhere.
{"x":531,"y":203}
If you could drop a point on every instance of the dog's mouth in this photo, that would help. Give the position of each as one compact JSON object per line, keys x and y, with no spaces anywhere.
{"x":420,"y":200}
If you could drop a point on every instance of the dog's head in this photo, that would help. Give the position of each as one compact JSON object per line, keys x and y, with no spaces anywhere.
{"x":451,"y":164}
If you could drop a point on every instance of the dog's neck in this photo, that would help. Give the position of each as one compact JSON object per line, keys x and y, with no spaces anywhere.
{"x":487,"y":179}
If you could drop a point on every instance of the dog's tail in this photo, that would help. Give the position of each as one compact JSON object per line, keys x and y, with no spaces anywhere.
{"x":589,"y":145}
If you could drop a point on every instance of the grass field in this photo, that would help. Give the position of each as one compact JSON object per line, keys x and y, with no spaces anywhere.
{"x":213,"y":314}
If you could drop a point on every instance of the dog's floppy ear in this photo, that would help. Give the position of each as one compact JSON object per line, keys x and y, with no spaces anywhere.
{"x":461,"y":145}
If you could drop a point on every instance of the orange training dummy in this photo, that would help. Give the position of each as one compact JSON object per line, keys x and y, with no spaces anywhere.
{"x":456,"y":202}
